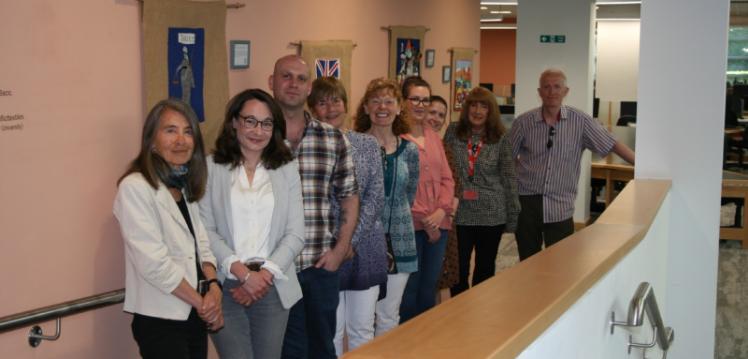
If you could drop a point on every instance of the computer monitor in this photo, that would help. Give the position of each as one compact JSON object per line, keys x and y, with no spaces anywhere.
{"x":506,"y":109}
{"x":595,"y":107}
{"x":628,"y":108}
{"x":487,"y":85}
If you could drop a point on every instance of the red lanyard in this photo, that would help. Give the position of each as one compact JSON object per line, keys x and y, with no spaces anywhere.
{"x":473,"y":152}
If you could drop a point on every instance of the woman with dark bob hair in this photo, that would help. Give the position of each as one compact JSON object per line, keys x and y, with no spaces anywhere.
{"x":489,"y":204}
{"x":253,"y":213}
{"x":170,"y":286}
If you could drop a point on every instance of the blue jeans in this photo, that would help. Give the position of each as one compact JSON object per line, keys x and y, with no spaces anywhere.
{"x":420,"y":292}
{"x":251,"y":332}
{"x":311,"y":322}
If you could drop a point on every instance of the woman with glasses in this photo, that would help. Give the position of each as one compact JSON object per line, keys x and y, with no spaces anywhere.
{"x":489,"y":204}
{"x":253,"y":212}
{"x":170,"y":282}
{"x":360,"y":277}
{"x":379,"y":115}
{"x":433,"y":203}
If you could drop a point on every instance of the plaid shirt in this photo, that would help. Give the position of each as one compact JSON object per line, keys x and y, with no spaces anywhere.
{"x":327,"y":171}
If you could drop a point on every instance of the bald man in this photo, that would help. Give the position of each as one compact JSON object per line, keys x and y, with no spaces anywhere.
{"x":326,"y":169}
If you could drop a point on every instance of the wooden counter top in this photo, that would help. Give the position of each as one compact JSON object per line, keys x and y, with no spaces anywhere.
{"x":502,"y":316}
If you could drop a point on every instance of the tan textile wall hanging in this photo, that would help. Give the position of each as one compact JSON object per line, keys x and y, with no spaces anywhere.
{"x":330,"y":58}
{"x":207,"y":18}
{"x":462,"y":76}
{"x":406,"y":51}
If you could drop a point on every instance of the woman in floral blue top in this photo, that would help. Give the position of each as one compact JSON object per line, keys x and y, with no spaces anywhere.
{"x":361,"y":276}
{"x":379,"y":115}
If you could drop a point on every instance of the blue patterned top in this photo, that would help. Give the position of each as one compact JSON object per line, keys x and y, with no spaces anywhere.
{"x":369,"y":266}
{"x":396,"y":215}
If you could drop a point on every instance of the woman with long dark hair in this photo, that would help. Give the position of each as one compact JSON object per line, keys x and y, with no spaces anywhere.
{"x":253,"y":212}
{"x":170,"y":284}
{"x":489,"y":204}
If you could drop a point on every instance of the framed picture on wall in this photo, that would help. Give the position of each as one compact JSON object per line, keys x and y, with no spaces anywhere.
{"x":446,"y":74}
{"x":430,"y":53}
{"x":239,"y":54}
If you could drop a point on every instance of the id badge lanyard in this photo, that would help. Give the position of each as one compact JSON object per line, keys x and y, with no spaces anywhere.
{"x":473,"y":151}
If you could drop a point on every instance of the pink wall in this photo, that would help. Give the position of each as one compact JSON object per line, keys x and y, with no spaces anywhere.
{"x":75,"y":72}
{"x":452,"y":24}
{"x":498,"y":58}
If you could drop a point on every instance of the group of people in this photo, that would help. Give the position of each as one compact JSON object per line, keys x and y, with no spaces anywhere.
{"x":300,"y":230}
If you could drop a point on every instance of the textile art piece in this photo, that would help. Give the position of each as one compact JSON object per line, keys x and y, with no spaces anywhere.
{"x":406,"y":46}
{"x":186,"y":56}
{"x":462,"y":72}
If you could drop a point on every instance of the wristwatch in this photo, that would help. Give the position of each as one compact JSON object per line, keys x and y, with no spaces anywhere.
{"x":211,"y":281}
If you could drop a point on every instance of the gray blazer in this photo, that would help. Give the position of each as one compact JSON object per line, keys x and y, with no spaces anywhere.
{"x":286,"y":226}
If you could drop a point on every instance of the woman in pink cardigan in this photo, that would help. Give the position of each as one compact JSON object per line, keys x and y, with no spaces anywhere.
{"x":433,"y":205}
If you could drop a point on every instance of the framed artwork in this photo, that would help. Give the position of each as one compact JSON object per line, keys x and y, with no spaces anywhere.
{"x":430,"y":53}
{"x":239,"y":54}
{"x":446,"y":74}
{"x":463,"y":82}
{"x":185,"y":61}
{"x":408,"y":58}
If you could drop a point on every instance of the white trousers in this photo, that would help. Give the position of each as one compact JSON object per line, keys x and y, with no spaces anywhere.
{"x":388,"y":309}
{"x":355,"y":317}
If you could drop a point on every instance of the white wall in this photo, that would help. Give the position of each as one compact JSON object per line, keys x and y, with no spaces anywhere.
{"x":617,"y":64}
{"x":573,"y":18}
{"x":583,"y":331}
{"x":679,"y":136}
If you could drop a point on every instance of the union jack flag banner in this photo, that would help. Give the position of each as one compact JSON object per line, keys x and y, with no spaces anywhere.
{"x":328,"y":68}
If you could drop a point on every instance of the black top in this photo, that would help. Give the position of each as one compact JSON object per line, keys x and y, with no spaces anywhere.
{"x":186,"y":214}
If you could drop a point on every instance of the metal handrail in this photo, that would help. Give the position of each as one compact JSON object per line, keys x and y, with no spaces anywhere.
{"x":643,"y":302}
{"x":58,"y":311}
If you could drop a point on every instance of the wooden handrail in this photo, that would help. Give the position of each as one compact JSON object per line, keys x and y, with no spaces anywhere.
{"x":502,"y":316}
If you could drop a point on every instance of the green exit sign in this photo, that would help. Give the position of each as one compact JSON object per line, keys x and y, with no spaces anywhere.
{"x":559,"y":39}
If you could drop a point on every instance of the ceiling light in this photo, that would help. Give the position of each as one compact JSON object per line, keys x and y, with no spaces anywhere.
{"x":494,"y":27}
{"x":497,"y":19}
{"x":484,"y":7}
{"x":498,"y":3}
{"x":494,"y":11}
{"x":502,"y":12}
{"x":619,"y":2}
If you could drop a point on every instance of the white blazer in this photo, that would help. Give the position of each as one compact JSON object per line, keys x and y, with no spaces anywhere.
{"x":159,"y":248}
{"x":286,"y":226}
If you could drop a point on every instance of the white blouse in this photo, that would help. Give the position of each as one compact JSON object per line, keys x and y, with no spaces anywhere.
{"x":251,"y":211}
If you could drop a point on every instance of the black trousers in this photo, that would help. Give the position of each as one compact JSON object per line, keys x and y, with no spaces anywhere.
{"x":485,"y":240}
{"x":532,"y":232}
{"x":164,"y":338}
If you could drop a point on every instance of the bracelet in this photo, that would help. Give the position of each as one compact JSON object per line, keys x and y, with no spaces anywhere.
{"x":246,"y":277}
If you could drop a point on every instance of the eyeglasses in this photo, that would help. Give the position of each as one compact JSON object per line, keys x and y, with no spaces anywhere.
{"x":387,"y":101}
{"x":251,"y":122}
{"x":420,"y":100}
{"x":551,"y":132}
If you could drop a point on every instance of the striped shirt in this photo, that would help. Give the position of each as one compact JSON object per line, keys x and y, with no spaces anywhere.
{"x":327,"y":171}
{"x":548,"y":158}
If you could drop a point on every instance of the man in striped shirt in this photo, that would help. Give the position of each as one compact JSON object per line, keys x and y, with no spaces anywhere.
{"x":547,"y":143}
